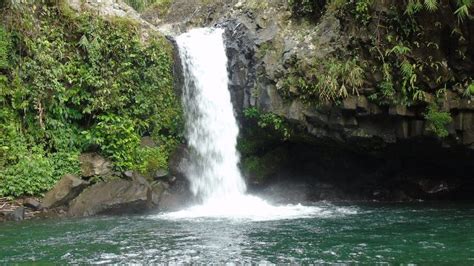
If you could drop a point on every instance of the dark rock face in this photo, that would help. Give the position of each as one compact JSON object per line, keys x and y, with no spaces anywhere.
{"x":119,"y":196}
{"x":240,"y":45}
{"x":64,"y":191}
{"x":384,"y":152}
{"x":178,"y":194}
{"x":177,"y":162}
{"x":406,"y":171}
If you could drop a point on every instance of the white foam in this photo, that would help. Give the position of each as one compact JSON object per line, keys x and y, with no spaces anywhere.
{"x":251,"y":208}
{"x":211,"y":131}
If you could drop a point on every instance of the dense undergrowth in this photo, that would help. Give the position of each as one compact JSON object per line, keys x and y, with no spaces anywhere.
{"x":71,"y":83}
{"x":396,"y":58}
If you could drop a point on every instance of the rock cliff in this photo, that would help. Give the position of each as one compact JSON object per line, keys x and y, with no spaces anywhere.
{"x":386,"y":93}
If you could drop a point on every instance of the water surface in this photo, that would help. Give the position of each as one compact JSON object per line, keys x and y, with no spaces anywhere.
{"x":395,"y":233}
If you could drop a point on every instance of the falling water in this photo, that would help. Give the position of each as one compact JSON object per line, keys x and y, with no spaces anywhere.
{"x":211,"y":131}
{"x":211,"y":126}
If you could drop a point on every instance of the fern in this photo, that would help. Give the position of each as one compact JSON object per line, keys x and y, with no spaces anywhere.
{"x":463,"y":12}
{"x":431,"y":5}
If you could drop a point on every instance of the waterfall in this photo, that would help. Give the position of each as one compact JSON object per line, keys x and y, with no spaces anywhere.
{"x":211,"y":127}
{"x":211,"y":131}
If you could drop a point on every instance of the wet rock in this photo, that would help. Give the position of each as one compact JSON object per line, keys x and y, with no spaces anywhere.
{"x":161,"y":174}
{"x":114,"y":197}
{"x":178,"y":161}
{"x":64,"y":191}
{"x":17,"y":215}
{"x":240,"y":49}
{"x":92,"y":164}
{"x":176,"y":194}
{"x":128,"y":174}
{"x":32,"y":204}
{"x":434,"y":186}
{"x":157,"y":190}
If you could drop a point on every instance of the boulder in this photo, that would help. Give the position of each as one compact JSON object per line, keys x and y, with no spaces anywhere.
{"x":32,"y":204}
{"x":16,"y":215}
{"x":161,"y":174}
{"x":64,"y":191}
{"x":178,"y":160}
{"x":115,"y":197}
{"x":157,"y":189}
{"x":128,"y":174}
{"x":92,"y":164}
{"x":434,"y":186}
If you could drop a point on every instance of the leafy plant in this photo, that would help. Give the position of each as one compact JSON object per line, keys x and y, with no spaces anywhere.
{"x":362,"y":11}
{"x":4,"y":48}
{"x":329,"y":80}
{"x":462,"y":11}
{"x":438,"y":121}
{"x":270,"y":121}
{"x":71,"y":83}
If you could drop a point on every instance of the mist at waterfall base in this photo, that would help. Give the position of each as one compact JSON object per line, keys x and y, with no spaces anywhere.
{"x":211,"y":131}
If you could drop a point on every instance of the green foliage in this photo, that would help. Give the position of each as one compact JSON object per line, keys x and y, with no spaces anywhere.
{"x":469,"y":90}
{"x":4,"y":47}
{"x":73,"y":83}
{"x":153,"y":159}
{"x":118,"y":139}
{"x":32,"y":174}
{"x":362,"y":11}
{"x":269,"y":121}
{"x":329,"y":80}
{"x":462,"y":7}
{"x":414,"y":6}
{"x":140,"y":5}
{"x":438,"y":121}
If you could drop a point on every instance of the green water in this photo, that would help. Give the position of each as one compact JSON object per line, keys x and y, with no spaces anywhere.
{"x":398,"y":234}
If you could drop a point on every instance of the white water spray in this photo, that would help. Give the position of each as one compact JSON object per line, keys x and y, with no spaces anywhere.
{"x":211,"y":126}
{"x":212,"y":135}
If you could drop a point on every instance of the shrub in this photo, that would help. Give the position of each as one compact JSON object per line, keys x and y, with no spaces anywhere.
{"x":438,"y":121}
{"x":70,"y":81}
{"x":30,"y":175}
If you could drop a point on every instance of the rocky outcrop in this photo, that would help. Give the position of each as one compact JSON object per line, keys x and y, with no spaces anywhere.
{"x":178,"y":194}
{"x":118,"y":196}
{"x":387,"y":151}
{"x":92,"y":164}
{"x":68,"y":188}
{"x":265,"y":41}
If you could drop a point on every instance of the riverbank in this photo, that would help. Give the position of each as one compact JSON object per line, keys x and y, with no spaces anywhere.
{"x":26,"y":208}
